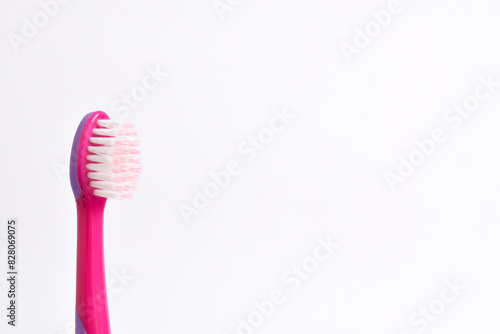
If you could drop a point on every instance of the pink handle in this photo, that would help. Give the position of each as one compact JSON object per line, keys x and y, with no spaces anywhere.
{"x":91,"y":297}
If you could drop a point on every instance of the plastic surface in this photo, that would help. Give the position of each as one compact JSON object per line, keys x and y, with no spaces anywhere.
{"x":91,"y":299}
{"x":73,"y":174}
{"x":78,"y":325}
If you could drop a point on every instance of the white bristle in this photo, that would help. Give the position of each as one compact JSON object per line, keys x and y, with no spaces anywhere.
{"x":102,"y":141}
{"x":104,"y":168}
{"x":101,"y":149}
{"x":105,"y":132}
{"x":114,"y":163}
{"x":99,"y":176}
{"x":107,"y":193}
{"x":100,"y":158}
{"x":107,"y":123}
{"x":104,"y":185}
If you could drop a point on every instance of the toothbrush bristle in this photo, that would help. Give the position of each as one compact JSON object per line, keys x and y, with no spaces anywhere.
{"x":113,"y":160}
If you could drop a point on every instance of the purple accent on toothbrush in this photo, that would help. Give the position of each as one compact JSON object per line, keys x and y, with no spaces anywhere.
{"x":73,"y":174}
{"x":79,"y":329}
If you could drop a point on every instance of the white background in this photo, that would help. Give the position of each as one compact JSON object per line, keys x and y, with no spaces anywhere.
{"x":322,"y":176}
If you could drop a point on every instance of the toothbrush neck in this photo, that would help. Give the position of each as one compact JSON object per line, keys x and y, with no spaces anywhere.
{"x":91,"y":298}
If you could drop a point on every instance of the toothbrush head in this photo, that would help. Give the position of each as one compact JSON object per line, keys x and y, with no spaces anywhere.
{"x":105,"y":160}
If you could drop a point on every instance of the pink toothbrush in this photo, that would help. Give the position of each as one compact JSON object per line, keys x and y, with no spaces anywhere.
{"x":104,"y":164}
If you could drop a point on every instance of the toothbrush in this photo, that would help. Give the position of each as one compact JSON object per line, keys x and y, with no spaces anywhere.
{"x":104,"y":164}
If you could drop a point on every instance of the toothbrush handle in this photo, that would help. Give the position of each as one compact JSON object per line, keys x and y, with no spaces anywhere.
{"x":91,"y":299}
